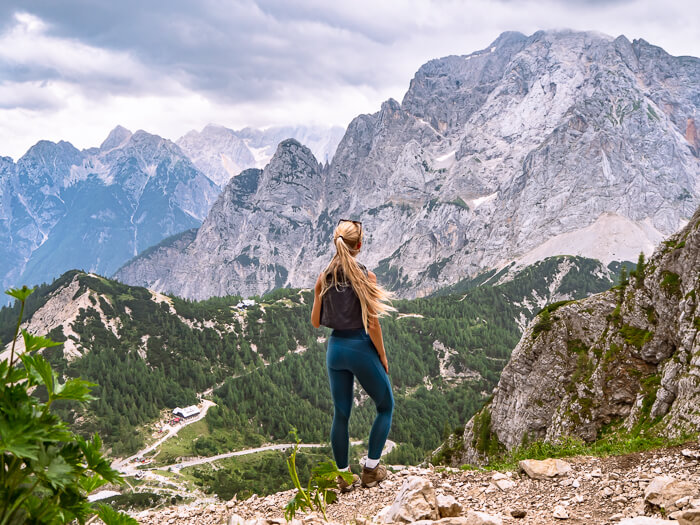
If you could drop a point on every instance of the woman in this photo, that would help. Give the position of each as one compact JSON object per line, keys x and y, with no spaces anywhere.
{"x":348,"y":299}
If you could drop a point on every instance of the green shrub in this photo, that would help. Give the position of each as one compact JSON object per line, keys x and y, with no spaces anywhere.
{"x":47,"y":470}
{"x":671,"y":282}
{"x":544,"y":324}
{"x":634,"y":336}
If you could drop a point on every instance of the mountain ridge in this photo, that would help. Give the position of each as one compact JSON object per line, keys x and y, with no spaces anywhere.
{"x":61,"y":207}
{"x":490,"y":157}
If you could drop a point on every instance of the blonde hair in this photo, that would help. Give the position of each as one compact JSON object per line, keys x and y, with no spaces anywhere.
{"x":373,"y":298}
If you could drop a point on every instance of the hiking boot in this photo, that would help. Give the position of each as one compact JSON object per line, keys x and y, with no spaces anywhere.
{"x":372,"y":476}
{"x":344,"y":486}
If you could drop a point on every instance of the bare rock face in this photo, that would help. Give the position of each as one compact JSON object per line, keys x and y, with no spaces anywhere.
{"x":689,"y":517}
{"x":562,"y":142}
{"x":627,"y":357}
{"x":245,"y":243}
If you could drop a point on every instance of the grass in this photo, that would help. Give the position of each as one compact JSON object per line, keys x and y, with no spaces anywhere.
{"x":181,"y":444}
{"x":634,"y":336}
{"x":612,"y":445}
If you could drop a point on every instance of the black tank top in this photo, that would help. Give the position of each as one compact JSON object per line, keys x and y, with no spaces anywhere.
{"x":340,"y":307}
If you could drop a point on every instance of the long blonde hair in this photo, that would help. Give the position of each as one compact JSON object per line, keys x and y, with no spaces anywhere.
{"x":373,"y":298}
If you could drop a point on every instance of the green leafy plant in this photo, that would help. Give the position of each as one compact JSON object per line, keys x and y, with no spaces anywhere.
{"x":46,"y":471}
{"x":319,"y":490}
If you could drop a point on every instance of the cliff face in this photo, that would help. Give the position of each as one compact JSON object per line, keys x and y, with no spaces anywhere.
{"x":245,"y":243}
{"x":558,"y":143}
{"x":628,"y":357}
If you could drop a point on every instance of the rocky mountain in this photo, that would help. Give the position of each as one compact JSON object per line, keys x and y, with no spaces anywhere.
{"x":625,"y":360}
{"x":62,"y":208}
{"x":561,"y":142}
{"x":222,"y":153}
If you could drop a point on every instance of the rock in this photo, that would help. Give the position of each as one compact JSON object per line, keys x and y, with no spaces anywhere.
{"x":504,"y":484}
{"x":415,"y":501}
{"x":235,"y":519}
{"x":452,"y":521}
{"x":543,"y":469}
{"x":448,"y":506}
{"x":518,"y":513}
{"x":482,"y":518}
{"x":560,"y":512}
{"x":665,"y":491}
{"x":689,"y":517}
{"x":646,"y":520}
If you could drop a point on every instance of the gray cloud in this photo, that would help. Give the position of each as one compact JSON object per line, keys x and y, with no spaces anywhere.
{"x":167,"y":65}
{"x":255,"y":50}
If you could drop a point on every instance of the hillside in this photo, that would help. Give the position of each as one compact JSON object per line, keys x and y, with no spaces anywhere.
{"x":620,"y":363}
{"x":150,"y":352}
{"x":561,"y":142}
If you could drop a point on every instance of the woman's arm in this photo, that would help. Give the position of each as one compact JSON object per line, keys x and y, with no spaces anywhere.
{"x":375,"y":332}
{"x":316,"y":310}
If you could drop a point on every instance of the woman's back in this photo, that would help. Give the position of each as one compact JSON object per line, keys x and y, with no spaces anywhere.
{"x":340,"y":306}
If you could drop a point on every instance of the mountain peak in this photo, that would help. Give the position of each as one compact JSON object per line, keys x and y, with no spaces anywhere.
{"x":116,"y":138}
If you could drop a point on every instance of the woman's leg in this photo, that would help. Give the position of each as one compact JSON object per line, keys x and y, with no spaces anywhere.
{"x":374,"y":379}
{"x":341,"y":390}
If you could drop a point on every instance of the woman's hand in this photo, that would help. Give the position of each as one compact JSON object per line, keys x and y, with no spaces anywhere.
{"x":385,"y":363}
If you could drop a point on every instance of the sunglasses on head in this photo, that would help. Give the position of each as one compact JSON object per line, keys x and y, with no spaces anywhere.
{"x":356,"y":223}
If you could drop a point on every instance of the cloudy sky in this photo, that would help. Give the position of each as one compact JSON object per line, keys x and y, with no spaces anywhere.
{"x":74,"y":69}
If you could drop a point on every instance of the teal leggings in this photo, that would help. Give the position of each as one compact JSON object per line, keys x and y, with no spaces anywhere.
{"x":351,"y":354}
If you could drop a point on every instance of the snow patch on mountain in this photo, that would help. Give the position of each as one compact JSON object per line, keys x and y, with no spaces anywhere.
{"x":611,"y":237}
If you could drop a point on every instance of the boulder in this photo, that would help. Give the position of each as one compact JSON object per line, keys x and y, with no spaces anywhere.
{"x":448,"y":506}
{"x":415,"y":501}
{"x":544,"y":469}
{"x":665,"y":491}
{"x":560,"y":512}
{"x":504,"y":484}
{"x":689,"y":517}
{"x":646,"y":520}
{"x":235,"y":519}
{"x":481,"y":518}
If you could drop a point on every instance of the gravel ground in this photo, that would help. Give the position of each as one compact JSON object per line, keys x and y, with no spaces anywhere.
{"x":595,"y":491}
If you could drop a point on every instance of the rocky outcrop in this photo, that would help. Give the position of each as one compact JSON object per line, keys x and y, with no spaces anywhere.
{"x":626,"y":359}
{"x":561,"y":142}
{"x":244,"y":244}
